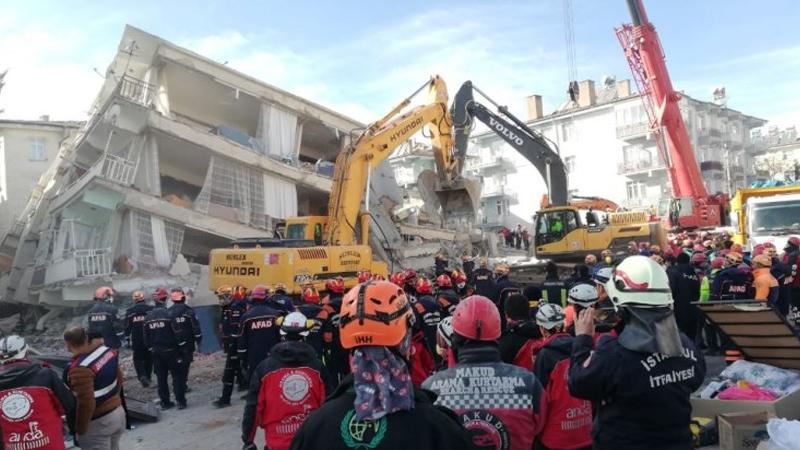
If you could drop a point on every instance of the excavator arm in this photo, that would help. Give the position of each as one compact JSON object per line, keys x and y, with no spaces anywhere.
{"x":374,"y":145}
{"x":530,"y":144}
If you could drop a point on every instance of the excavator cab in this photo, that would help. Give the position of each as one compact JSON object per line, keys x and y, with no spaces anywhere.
{"x":309,"y":228}
{"x":558,"y":231}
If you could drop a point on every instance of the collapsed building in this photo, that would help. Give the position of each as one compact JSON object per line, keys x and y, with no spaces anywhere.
{"x":182,"y":155}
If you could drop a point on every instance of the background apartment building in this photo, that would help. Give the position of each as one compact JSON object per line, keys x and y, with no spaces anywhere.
{"x":777,"y":155}
{"x":609,"y":152}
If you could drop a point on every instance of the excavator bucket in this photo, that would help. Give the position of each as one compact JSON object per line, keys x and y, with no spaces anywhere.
{"x":455,"y":206}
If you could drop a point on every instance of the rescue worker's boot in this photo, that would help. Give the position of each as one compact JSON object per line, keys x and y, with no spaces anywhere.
{"x":221,"y":402}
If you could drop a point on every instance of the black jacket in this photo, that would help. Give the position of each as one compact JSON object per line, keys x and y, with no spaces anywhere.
{"x":468,"y":266}
{"x":134,"y":324}
{"x":186,"y":325}
{"x":260,"y":333}
{"x":483,"y":280}
{"x":447,"y":299}
{"x":231,"y":318}
{"x":160,"y":332}
{"x":641,"y":400}
{"x":514,"y":337}
{"x":685,"y":286}
{"x":426,"y":427}
{"x":314,"y":338}
{"x":554,"y":291}
{"x":104,"y":320}
{"x":553,"y":351}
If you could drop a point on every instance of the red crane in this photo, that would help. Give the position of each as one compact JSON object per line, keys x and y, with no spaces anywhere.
{"x":691,"y":205}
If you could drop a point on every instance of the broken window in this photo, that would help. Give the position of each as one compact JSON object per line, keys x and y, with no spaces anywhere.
{"x":155,"y":242}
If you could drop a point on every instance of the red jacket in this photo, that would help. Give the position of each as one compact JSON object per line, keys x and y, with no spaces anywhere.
{"x":421,"y":360}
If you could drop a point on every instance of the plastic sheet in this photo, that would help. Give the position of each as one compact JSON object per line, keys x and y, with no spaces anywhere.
{"x":769,"y":377}
{"x":783,"y":434}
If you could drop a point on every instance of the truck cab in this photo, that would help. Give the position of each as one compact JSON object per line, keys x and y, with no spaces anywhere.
{"x":772,"y":219}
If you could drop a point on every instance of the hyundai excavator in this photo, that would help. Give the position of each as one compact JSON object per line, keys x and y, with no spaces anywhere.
{"x":319,"y":248}
{"x":565,"y":229}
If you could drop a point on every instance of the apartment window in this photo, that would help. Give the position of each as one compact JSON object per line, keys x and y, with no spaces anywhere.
{"x":636,"y":190}
{"x":37,"y":150}
{"x":499,"y":204}
{"x":567,"y":131}
{"x":569,"y":163}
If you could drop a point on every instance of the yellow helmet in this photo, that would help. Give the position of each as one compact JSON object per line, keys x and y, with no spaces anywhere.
{"x":224,"y":290}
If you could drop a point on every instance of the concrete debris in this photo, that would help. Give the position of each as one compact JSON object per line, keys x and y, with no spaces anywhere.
{"x":180,"y":267}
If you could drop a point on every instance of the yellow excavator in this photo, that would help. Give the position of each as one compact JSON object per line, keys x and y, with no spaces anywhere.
{"x":318,"y":248}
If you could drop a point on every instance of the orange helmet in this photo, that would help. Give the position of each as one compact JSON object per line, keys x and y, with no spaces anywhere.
{"x":459,"y":278}
{"x":259,"y":293}
{"x":364,"y":275}
{"x":310,"y":295}
{"x":103,"y":293}
{"x":138,"y":296}
{"x":444,"y":281}
{"x":423,"y":286}
{"x":335,"y":285}
{"x":375,"y":313}
{"x":378,"y":277}
{"x":280,"y":287}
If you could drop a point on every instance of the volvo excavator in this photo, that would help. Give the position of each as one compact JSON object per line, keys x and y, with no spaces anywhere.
{"x":565,"y":229}
{"x":318,"y":248}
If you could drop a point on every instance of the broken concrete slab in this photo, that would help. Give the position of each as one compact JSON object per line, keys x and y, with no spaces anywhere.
{"x":180,"y":267}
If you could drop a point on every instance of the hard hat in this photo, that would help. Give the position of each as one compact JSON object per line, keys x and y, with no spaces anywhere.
{"x":698,"y":248}
{"x":699,"y":258}
{"x":793,"y":241}
{"x":444,"y":281}
{"x":224,"y":290}
{"x":762,"y":260}
{"x":688,"y":243}
{"x":550,"y":316}
{"x":602,"y":275}
{"x":104,"y":293}
{"x":13,"y":347}
{"x":734,"y":257}
{"x":459,"y":278}
{"x":716,"y":263}
{"x":409,"y":276}
{"x":364,"y":275}
{"x":501,"y":269}
{"x":658,"y":259}
{"x":259,"y":293}
{"x":279,"y":287}
{"x":310,"y":295}
{"x":768,"y":245}
{"x":423,"y":286}
{"x":295,"y":323}
{"x":177,"y":295}
{"x":396,"y":278}
{"x":757,"y":250}
{"x":444,"y":332}
{"x":476,"y":317}
{"x":160,"y":294}
{"x":737,"y":248}
{"x":335,"y":285}
{"x":378,"y":277}
{"x":582,"y":294}
{"x":639,"y":281}
{"x":138,"y":296}
{"x":375,"y":313}
{"x":239,"y":292}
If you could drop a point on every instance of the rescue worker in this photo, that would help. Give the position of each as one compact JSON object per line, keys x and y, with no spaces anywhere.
{"x":41,"y":398}
{"x":134,"y":331}
{"x":791,"y":282}
{"x":286,"y":387}
{"x":280,"y":299}
{"x":779,"y":272}
{"x":104,"y":319}
{"x":467,"y":264}
{"x":440,"y":264}
{"x":483,"y":280}
{"x":733,"y":282}
{"x":426,"y":311}
{"x":554,"y":290}
{"x":639,"y":382}
{"x":96,"y":380}
{"x":766,"y":286}
{"x":311,"y":308}
{"x":258,"y":330}
{"x":705,"y":285}
{"x":606,"y":259}
{"x":508,"y":419}
{"x":591,"y":262}
{"x":409,"y":278}
{"x":187,"y":328}
{"x":364,"y":275}
{"x":378,"y":407}
{"x":232,"y":311}
{"x":685,"y":286}
{"x":568,"y":421}
{"x":581,"y":296}
{"x":459,"y":283}
{"x":335,"y":356}
{"x":161,"y":336}
{"x":504,"y":288}
{"x":444,"y":336}
{"x":520,"y":335}
{"x":446,"y":296}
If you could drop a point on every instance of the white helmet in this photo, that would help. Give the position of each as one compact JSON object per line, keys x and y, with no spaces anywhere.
{"x":444,"y":332}
{"x":295,"y":323}
{"x":639,"y":281}
{"x":550,"y":316}
{"x":603,"y":275}
{"x":583,"y":294}
{"x":12,"y":347}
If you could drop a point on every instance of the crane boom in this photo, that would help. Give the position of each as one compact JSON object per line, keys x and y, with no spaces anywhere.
{"x":692,"y":206}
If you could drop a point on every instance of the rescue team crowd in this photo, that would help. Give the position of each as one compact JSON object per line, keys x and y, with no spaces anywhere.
{"x":606,"y":359}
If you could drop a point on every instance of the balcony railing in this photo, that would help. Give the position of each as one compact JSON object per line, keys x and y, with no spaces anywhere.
{"x":80,"y":264}
{"x":137,"y":91}
{"x":641,"y":202}
{"x":630,"y":167}
{"x":498,"y":191}
{"x":117,"y":169}
{"x":632,"y":130}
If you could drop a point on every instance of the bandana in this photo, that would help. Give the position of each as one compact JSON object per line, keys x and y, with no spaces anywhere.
{"x":382,"y":381}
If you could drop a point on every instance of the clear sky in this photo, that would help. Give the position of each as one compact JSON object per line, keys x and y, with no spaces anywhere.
{"x":361,"y":57}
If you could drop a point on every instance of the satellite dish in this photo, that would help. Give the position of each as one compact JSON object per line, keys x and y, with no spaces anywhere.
{"x":609,"y":81}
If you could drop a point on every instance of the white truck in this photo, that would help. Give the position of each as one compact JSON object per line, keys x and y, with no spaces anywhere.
{"x":769,"y":214}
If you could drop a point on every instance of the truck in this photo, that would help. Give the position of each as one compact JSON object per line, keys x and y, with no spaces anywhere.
{"x":767,"y":214}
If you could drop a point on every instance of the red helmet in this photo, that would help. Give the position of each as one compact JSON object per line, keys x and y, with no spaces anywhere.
{"x":259,"y":293}
{"x":177,"y":295}
{"x":364,"y":275}
{"x":793,"y":241}
{"x":423,"y":286}
{"x":310,"y":295}
{"x":396,"y":278}
{"x":459,"y":278}
{"x":699,"y":258}
{"x":757,"y":250}
{"x":160,"y":294}
{"x":335,"y":285}
{"x":699,"y":248}
{"x":768,"y":245}
{"x":444,"y":281}
{"x":409,"y":276}
{"x":477,"y":318}
{"x":103,"y":293}
{"x":239,"y":292}
{"x":716,"y":263}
